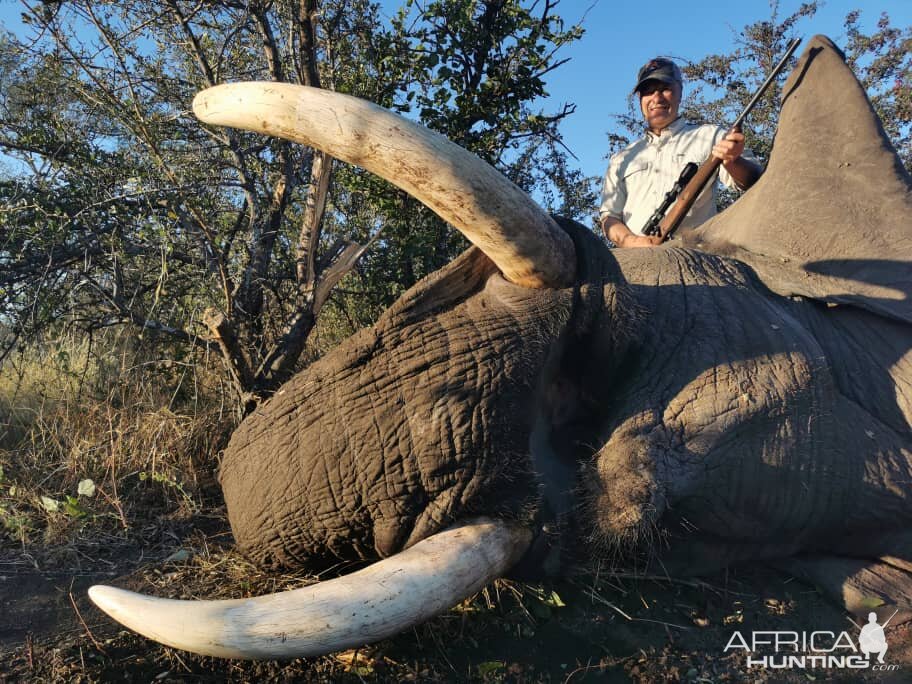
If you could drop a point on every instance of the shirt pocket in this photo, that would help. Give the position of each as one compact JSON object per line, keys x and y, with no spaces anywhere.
{"x":634,"y":171}
{"x":682,"y":160}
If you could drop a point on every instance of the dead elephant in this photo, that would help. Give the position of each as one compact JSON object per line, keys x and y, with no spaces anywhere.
{"x":743,"y":396}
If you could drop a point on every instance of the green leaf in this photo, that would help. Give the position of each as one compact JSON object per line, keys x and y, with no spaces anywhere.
{"x":489,"y":667}
{"x":554,"y":600}
{"x":871,"y":602}
{"x":73,"y":509}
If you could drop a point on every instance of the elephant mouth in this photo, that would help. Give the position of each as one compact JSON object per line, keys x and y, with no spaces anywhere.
{"x":630,"y":526}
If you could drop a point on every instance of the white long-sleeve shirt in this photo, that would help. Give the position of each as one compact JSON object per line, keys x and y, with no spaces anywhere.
{"x":640,"y":175}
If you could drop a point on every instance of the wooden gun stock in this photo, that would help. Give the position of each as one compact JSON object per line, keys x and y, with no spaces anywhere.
{"x":669,"y":224}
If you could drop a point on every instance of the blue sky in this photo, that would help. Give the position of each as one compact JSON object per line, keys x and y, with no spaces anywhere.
{"x":622,"y":35}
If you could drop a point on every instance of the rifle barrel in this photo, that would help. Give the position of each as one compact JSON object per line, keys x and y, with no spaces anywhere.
{"x":890,"y":618}
{"x":769,"y":79}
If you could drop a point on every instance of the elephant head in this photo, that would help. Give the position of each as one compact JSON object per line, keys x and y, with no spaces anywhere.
{"x":543,"y":386}
{"x":410,"y":428}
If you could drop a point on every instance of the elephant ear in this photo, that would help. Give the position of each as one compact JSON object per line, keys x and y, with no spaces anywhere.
{"x":831,"y":218}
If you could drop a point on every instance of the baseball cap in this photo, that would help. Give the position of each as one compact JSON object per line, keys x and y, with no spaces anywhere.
{"x":660,"y":69}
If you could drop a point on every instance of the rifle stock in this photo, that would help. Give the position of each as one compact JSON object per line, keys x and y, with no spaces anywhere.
{"x":669,"y":224}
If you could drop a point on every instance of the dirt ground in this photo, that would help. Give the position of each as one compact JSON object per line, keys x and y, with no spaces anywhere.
{"x":594,"y":627}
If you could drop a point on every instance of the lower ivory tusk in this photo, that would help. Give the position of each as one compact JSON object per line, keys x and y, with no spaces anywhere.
{"x":379,"y":601}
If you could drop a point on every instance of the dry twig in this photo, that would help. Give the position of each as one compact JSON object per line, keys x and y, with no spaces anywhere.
{"x":84,"y":625}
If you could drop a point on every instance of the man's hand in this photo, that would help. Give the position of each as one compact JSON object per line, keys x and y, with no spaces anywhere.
{"x":743,"y":171}
{"x":640,"y":241}
{"x":622,"y":236}
{"x":730,"y":148}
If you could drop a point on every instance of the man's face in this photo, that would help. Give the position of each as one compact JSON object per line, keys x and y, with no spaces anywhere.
{"x":659,"y":102}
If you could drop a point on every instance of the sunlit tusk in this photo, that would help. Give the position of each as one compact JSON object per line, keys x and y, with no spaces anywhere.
{"x":492,"y":212}
{"x":366,"y":606}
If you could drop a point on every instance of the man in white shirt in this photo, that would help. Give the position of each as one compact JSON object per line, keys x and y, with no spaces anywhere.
{"x":639,"y":176}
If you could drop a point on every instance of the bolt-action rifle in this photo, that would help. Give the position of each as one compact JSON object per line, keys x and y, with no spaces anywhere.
{"x":691,"y":183}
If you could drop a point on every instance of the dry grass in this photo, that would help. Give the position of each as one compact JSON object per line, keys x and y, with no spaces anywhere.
{"x":103,"y":444}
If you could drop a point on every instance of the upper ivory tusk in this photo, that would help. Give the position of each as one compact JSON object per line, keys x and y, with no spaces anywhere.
{"x":366,"y":606}
{"x":492,"y":212}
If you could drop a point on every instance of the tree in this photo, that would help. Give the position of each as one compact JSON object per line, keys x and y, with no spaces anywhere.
{"x":133,"y":214}
{"x":722,"y":84}
{"x":883,"y":63}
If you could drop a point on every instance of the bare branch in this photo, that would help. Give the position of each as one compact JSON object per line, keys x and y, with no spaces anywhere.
{"x":198,"y":53}
{"x":269,"y":44}
{"x":307,"y":31}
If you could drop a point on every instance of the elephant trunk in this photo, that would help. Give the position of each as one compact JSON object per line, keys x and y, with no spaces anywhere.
{"x":492,"y":212}
{"x":366,"y":606}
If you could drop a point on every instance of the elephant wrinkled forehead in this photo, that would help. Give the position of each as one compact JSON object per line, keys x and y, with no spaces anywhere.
{"x":462,"y":332}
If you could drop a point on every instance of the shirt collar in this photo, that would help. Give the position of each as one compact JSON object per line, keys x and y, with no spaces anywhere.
{"x":672,"y":128}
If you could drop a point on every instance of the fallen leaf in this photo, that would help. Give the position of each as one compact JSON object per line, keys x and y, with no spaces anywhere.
{"x":50,"y":505}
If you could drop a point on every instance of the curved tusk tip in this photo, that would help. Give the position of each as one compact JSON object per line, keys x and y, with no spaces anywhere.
{"x":229,"y":104}
{"x":225,"y":97}
{"x":109,"y":599}
{"x":200,"y":104}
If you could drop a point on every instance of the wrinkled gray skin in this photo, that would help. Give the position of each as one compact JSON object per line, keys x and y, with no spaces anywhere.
{"x":697,"y":408}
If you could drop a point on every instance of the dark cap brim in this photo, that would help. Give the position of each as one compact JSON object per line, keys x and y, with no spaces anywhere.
{"x":654,"y":77}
